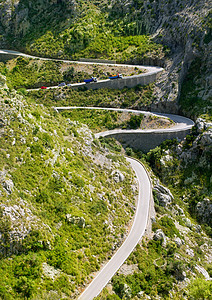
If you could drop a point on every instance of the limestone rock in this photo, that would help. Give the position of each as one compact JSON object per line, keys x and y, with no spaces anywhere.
{"x":8,"y":185}
{"x":202,"y":271}
{"x":118,"y":176}
{"x":206,"y":139}
{"x":2,"y":81}
{"x":200,"y":125}
{"x":19,"y":222}
{"x":160,"y":236}
{"x":190,"y":252}
{"x":178,"y":242}
{"x":163,"y":194}
{"x":50,"y":271}
{"x":187,"y":222}
{"x":126,"y":291}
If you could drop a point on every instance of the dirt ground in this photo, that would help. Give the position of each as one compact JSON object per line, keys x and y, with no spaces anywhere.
{"x":106,"y":70}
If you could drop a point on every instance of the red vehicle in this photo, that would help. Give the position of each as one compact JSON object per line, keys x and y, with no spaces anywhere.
{"x":43,"y":87}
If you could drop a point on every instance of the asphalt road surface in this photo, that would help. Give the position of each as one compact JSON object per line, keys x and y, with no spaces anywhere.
{"x":137,"y":231}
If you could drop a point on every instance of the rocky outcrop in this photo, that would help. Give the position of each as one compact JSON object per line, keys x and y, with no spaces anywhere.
{"x":160,"y":236}
{"x":183,"y":29}
{"x":117,"y":176}
{"x":19,"y":17}
{"x":163,"y":194}
{"x":79,"y":221}
{"x":2,"y":81}
{"x":204,"y":211}
{"x":17,"y":226}
{"x":201,"y":146}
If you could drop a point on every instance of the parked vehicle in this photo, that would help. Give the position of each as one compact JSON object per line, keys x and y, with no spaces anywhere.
{"x":92,"y":79}
{"x":43,"y":87}
{"x":116,"y":76}
{"x":69,"y":84}
{"x":61,"y":84}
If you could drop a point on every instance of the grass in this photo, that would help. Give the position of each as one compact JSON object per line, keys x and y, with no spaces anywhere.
{"x":33,"y":73}
{"x":136,"y":97}
{"x":88,"y":31}
{"x":103,"y":120}
{"x":49,"y":165}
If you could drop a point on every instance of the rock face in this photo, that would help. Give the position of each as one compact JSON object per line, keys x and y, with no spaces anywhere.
{"x":183,"y":29}
{"x":204,"y":211}
{"x":2,"y":81}
{"x":126,"y":291}
{"x":8,"y":186}
{"x":163,"y":195}
{"x":19,"y":17}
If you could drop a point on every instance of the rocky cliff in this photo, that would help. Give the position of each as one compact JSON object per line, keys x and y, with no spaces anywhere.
{"x":185,"y":29}
{"x":19,"y":18}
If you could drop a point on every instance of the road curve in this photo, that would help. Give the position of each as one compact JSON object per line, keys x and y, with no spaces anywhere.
{"x":150,"y":69}
{"x":141,"y":216}
{"x":137,"y":231}
{"x":180,"y":122}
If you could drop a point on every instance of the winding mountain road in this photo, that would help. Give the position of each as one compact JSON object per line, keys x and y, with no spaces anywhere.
{"x":180,"y":122}
{"x":144,"y":196}
{"x":137,"y":231}
{"x":140,"y":221}
{"x":150,"y":69}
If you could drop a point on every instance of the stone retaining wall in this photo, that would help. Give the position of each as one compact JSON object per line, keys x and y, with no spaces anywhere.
{"x":146,"y":141}
{"x":129,"y":82}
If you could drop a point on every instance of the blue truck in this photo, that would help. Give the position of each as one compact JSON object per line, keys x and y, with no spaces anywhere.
{"x":116,"y":76}
{"x":92,"y":79}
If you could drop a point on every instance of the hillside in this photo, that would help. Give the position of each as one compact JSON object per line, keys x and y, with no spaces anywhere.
{"x":65,"y":200}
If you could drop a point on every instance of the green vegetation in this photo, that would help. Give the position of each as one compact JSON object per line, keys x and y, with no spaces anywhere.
{"x":48,"y":159}
{"x":88,"y":30}
{"x":98,"y":120}
{"x":179,"y":175}
{"x":191,"y":103}
{"x":136,"y":97}
{"x":200,"y":289}
{"x":152,"y":277}
{"x":33,"y":73}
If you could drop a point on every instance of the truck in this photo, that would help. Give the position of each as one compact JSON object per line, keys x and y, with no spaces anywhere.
{"x":116,"y":76}
{"x":92,"y":79}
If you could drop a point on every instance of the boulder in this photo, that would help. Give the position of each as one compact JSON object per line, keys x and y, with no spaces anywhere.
{"x":206,"y":139}
{"x":79,"y":221}
{"x":178,"y":242}
{"x":8,"y":186}
{"x":160,"y":236}
{"x":118,"y":176}
{"x":187,"y":222}
{"x":2,"y":81}
{"x":163,"y":194}
{"x":200,"y":125}
{"x":126,"y":291}
{"x":190,"y":252}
